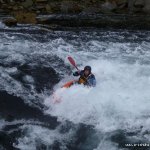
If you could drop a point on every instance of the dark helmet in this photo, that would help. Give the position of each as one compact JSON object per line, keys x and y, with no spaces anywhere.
{"x":87,"y":68}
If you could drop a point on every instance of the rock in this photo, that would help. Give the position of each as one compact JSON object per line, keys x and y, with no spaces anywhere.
{"x":130,"y":6}
{"x":21,"y":7}
{"x":38,"y":12}
{"x":27,"y":3}
{"x":66,"y":6}
{"x":108,"y":7}
{"x":10,"y":7}
{"x":41,"y":1}
{"x":55,"y":7}
{"x":70,"y":7}
{"x":12,"y":3}
{"x":122,"y":3}
{"x":2,"y":1}
{"x":48,"y":8}
{"x":4,"y":6}
{"x":10,"y":22}
{"x":137,"y":6}
{"x":4,"y":12}
{"x":1,"y":10}
{"x":41,"y":7}
{"x":15,"y":8}
{"x":139,"y":3}
{"x":91,"y":10}
{"x":32,"y":9}
{"x":137,"y":10}
{"x":96,"y":20}
{"x":42,"y":20}
{"x":25,"y":17}
{"x":146,"y":8}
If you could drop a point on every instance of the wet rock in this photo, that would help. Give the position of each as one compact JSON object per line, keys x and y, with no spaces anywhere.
{"x":10,"y":7}
{"x":17,"y":109}
{"x":42,"y":20}
{"x":139,"y":3}
{"x":25,"y":17}
{"x":137,"y":6}
{"x":70,"y":7}
{"x":12,"y":3}
{"x":10,"y":22}
{"x":130,"y":6}
{"x":91,"y":10}
{"x":108,"y":7}
{"x":38,"y":12}
{"x":41,"y":7}
{"x":6,"y":141}
{"x":48,"y":8}
{"x":137,"y":10}
{"x":27,"y":3}
{"x":55,"y":6}
{"x":41,"y":0}
{"x":4,"y":6}
{"x":122,"y":3}
{"x":2,"y":1}
{"x":97,"y":20}
{"x":146,"y":8}
{"x":3,"y":11}
{"x":15,"y":8}
{"x":66,"y":6}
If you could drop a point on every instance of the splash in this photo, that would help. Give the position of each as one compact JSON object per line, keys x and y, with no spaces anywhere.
{"x":119,"y":101}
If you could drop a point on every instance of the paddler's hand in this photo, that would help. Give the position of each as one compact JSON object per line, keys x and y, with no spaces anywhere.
{"x":77,"y":73}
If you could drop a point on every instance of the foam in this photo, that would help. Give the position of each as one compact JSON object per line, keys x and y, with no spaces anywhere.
{"x":120,"y":64}
{"x":36,"y":135}
{"x":2,"y":25}
{"x":120,"y":99}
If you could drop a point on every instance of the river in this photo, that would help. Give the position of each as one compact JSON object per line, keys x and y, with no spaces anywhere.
{"x":112,"y":116}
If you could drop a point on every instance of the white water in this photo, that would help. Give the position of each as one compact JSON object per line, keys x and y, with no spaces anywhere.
{"x":121,"y":99}
{"x":35,"y":135}
{"x":2,"y":123}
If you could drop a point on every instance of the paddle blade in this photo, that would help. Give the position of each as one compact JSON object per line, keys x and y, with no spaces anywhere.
{"x":71,"y":60}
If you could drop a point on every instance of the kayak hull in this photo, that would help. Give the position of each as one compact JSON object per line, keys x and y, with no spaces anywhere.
{"x":68,"y":84}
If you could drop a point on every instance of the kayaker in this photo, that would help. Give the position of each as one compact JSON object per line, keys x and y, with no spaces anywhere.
{"x":86,"y":77}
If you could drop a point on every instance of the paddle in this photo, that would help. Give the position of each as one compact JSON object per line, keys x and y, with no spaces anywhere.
{"x":71,"y":60}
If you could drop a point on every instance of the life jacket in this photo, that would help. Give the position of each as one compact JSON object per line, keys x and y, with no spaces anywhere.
{"x":83,"y":79}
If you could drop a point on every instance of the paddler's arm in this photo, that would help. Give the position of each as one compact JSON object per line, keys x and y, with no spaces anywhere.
{"x":91,"y":81}
{"x":77,"y":73}
{"x":94,"y":82}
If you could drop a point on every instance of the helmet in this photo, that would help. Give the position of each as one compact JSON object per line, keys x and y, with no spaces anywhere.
{"x":87,"y":68}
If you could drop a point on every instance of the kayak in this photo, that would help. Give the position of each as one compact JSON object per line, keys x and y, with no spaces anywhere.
{"x":68,"y":84}
{"x":56,"y":98}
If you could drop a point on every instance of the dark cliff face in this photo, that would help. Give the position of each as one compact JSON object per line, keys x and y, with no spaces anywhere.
{"x":28,"y":11}
{"x":77,"y":6}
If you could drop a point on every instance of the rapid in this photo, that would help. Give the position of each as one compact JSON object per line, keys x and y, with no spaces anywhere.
{"x":33,"y":65}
